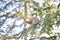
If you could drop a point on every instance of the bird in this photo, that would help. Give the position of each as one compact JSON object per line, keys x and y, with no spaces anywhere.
{"x":33,"y":20}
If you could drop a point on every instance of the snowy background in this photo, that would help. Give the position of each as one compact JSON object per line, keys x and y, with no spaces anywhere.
{"x":6,"y":19}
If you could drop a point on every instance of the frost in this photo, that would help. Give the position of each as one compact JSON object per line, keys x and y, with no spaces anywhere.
{"x":8,"y":23}
{"x":16,"y":30}
{"x":19,"y":22}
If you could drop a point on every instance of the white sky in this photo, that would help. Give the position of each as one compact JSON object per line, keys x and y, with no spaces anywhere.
{"x":40,"y":2}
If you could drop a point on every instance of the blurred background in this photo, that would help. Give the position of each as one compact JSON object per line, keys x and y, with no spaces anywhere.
{"x":29,"y":19}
